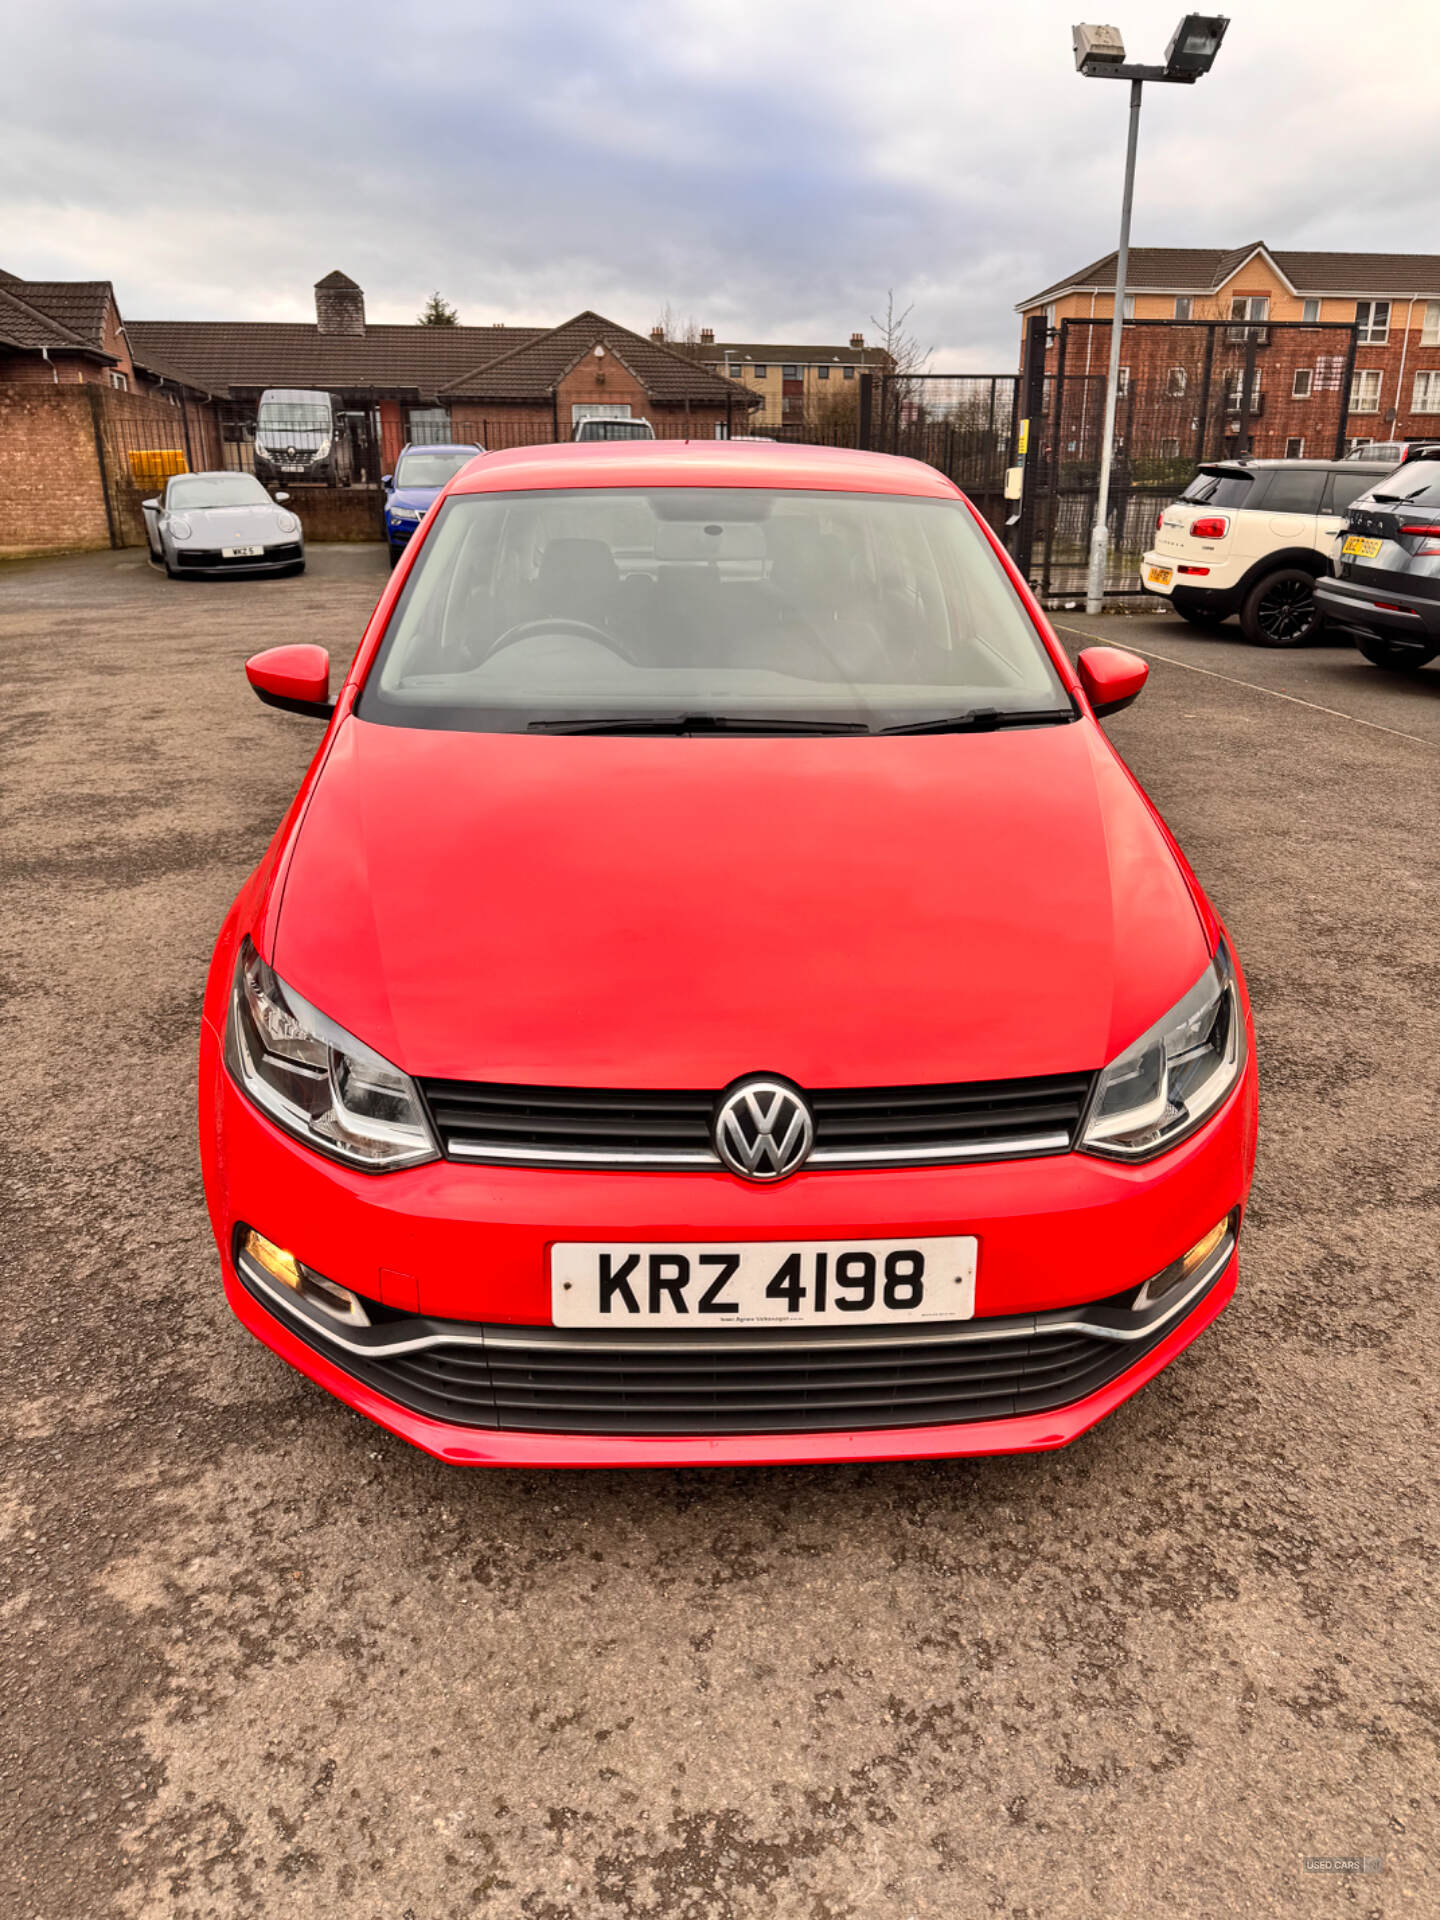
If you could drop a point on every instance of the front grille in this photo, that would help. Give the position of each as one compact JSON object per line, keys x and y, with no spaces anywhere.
{"x":752,"y":1380}
{"x":208,"y":557}
{"x":854,"y":1127}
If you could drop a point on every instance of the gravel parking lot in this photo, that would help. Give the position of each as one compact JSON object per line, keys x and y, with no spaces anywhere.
{"x":261,"y":1659}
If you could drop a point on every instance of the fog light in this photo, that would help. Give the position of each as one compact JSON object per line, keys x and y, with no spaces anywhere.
{"x":339,"y":1302}
{"x":1186,"y":1267}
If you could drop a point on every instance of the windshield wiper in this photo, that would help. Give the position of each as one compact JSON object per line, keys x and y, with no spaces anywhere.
{"x":693,"y":723}
{"x":987,"y":720}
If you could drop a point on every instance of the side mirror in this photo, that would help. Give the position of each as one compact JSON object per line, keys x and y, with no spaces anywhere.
{"x":280,"y":497}
{"x":295,"y":679}
{"x":1111,"y":677}
{"x":387,"y":480}
{"x":155,"y":503}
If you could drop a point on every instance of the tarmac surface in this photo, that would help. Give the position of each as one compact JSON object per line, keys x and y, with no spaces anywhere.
{"x":259,"y":1658}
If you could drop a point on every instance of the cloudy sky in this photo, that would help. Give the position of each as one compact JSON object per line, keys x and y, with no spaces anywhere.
{"x":766,"y":169}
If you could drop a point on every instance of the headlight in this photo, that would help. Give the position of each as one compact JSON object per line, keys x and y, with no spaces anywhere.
{"x":287,"y":523}
{"x":1173,"y":1078}
{"x":317,"y":1081}
{"x":177,"y":529}
{"x":406,"y":513}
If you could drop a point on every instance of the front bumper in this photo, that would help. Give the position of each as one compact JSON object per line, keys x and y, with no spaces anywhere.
{"x":207,"y":563}
{"x":400,"y":532}
{"x":453,"y":1243}
{"x":1380,"y":610}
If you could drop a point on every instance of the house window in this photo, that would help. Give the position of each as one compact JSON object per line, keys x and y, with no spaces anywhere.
{"x":1427,"y":393}
{"x":762,"y":372}
{"x":1361,"y":440}
{"x":1176,"y":382}
{"x":822,"y":373}
{"x":1310,"y":312}
{"x":428,"y":425}
{"x":1295,"y":448}
{"x":1365,"y":391}
{"x":1235,"y":390}
{"x":599,"y":410}
{"x":849,"y":373}
{"x":1430,"y":326}
{"x":789,"y":373}
{"x":1373,"y":319}
{"x":1183,"y":305}
{"x":1304,"y":381}
{"x":1124,"y":386}
{"x":117,"y":379}
{"x":1170,"y":449}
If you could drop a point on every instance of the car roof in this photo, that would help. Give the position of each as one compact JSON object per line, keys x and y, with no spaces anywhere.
{"x":1290,"y":466}
{"x":441,"y":446}
{"x":701,"y":463}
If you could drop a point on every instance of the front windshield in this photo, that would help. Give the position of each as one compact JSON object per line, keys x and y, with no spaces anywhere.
{"x":216,"y":490}
{"x":873,"y":609}
{"x":615,"y":430}
{"x":429,"y":469}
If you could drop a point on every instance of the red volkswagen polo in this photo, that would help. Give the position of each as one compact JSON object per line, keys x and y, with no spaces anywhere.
{"x":718,"y":995}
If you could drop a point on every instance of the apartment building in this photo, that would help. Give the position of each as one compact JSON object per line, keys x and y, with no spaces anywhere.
{"x":1394,"y":298}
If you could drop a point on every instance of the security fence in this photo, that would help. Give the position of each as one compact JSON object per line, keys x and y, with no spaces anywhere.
{"x":1190,"y":391}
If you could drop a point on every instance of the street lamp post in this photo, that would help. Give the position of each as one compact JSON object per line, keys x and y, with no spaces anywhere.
{"x":1100,"y":55}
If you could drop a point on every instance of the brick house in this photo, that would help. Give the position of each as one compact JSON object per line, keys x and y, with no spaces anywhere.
{"x":1395,"y":299}
{"x":434,"y":383}
{"x":590,"y":367}
{"x":62,"y":332}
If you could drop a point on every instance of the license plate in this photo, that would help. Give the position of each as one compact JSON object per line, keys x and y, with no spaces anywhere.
{"x":241,"y":553}
{"x":1159,"y":576}
{"x":1362,"y":549}
{"x":812,"y":1283}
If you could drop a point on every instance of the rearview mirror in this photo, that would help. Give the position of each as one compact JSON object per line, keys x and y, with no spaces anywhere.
{"x":295,"y":679}
{"x":1111,"y":677}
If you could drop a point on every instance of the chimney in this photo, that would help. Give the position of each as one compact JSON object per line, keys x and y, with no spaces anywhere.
{"x":339,"y":305}
{"x":707,"y":336}
{"x":657,"y":334}
{"x":857,"y":341}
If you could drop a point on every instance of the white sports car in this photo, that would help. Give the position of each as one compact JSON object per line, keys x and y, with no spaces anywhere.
{"x":222,"y":523}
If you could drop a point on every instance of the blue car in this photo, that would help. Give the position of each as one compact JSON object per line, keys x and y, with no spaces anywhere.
{"x":419,"y":474}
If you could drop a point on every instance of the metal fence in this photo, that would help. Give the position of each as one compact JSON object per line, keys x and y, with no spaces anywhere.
{"x":1190,"y":391}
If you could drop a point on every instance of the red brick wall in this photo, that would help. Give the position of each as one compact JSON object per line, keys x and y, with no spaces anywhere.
{"x":49,"y":475}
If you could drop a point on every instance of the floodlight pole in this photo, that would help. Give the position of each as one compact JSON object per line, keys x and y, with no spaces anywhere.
{"x":1100,"y":534}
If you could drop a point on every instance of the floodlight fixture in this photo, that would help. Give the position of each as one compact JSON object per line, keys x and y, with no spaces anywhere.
{"x":1194,"y":45}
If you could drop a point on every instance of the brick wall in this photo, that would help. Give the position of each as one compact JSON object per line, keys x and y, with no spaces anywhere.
{"x":49,"y":473}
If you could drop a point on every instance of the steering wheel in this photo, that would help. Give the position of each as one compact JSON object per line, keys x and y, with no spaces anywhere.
{"x":523,"y":629}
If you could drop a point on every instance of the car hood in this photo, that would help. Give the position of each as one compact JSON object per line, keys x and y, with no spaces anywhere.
{"x":675,"y":912}
{"x":418,"y":499}
{"x":234,"y":526}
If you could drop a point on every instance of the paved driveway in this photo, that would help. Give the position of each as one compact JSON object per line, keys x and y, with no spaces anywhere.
{"x":261,"y":1659}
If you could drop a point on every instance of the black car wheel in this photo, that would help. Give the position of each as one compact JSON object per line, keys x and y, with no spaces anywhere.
{"x":1397,"y":656}
{"x":1193,"y":611}
{"x":1280,"y":610}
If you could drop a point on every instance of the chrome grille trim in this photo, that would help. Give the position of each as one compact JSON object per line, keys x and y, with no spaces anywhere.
{"x":659,"y":1130}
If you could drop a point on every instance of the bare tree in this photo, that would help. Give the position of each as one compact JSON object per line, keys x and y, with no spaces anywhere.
{"x":905,"y":353}
{"x":684,"y":335}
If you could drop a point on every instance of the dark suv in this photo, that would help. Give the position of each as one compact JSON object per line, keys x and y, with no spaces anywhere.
{"x":1386,"y":593}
